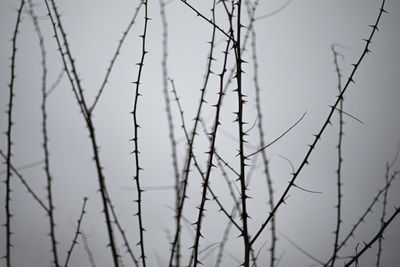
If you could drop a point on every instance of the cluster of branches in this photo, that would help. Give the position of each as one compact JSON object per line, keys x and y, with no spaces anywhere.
{"x":229,"y":69}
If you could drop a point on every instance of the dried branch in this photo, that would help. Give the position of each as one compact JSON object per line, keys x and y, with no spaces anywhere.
{"x":260,"y":127}
{"x":190,"y":144}
{"x":340,"y":159}
{"x":278,"y":10}
{"x":210,"y":163}
{"x":9,"y":137}
{"x":300,"y":248}
{"x":116,"y":54}
{"x":122,"y":232}
{"x":364,"y":215}
{"x":87,"y":249}
{"x":56,"y":82}
{"x":241,"y":133}
{"x":279,"y":137}
{"x":171,"y":127}
{"x":211,"y":21}
{"x":325,"y":124}
{"x":384,"y":205}
{"x":221,"y":207}
{"x":78,"y":92}
{"x":49,"y":177}
{"x":224,"y":240}
{"x":77,"y":232}
{"x":378,"y":236}
{"x":135,"y":139}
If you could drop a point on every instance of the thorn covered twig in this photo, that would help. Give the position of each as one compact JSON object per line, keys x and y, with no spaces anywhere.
{"x":77,"y":232}
{"x":9,"y":136}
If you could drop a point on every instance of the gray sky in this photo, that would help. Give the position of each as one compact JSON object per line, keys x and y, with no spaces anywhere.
{"x":296,"y":74}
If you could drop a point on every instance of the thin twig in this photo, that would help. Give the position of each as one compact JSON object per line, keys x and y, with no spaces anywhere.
{"x":278,"y":10}
{"x":340,"y":159}
{"x":260,"y":127}
{"x":301,"y":249}
{"x":114,"y":58}
{"x":56,"y":83}
{"x":225,"y":239}
{"x":348,"y":114}
{"x":189,"y":155}
{"x":24,"y":182}
{"x":171,"y":128}
{"x":77,"y":232}
{"x":25,"y":166}
{"x":87,"y":249}
{"x":279,"y":137}
{"x":212,"y":22}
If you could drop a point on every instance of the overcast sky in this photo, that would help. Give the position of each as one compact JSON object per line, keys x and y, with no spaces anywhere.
{"x":296,"y":75}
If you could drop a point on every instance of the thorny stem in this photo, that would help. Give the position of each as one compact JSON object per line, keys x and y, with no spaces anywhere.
{"x":384,"y":205}
{"x":122,"y":232}
{"x":326,"y":123}
{"x":364,"y":215}
{"x":210,"y":160}
{"x":171,"y":128}
{"x":199,"y":169}
{"x":135,"y":138}
{"x":374,"y":239}
{"x":262,"y":144}
{"x":116,"y":54}
{"x":241,"y":102}
{"x":244,"y":43}
{"x":190,"y":145}
{"x":224,"y":239}
{"x":340,"y":159}
{"x":212,"y":22}
{"x":9,"y":140}
{"x":378,"y":256}
{"x":78,"y":92}
{"x":50,"y":212}
{"x":198,"y":166}
{"x":77,"y":232}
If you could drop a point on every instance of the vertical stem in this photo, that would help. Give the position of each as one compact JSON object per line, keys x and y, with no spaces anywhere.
{"x":240,"y":121}
{"x":210,"y":164}
{"x":262,"y":144}
{"x":189,"y":155}
{"x":9,"y":140}
{"x":135,"y":138}
{"x":171,"y":128}
{"x":340,"y":160}
{"x":50,"y":211}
